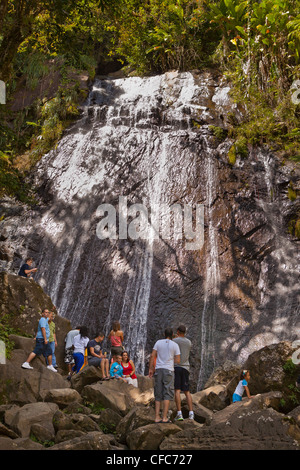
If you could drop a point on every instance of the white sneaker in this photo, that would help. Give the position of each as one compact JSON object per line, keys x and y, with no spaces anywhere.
{"x":178,"y":417}
{"x":191,"y":416}
{"x":51,"y":368}
{"x":26,"y":365}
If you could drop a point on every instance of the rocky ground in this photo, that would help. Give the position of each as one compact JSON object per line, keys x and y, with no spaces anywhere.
{"x":42,"y":410}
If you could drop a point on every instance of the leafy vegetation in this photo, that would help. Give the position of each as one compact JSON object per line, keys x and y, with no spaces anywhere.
{"x":255,"y":44}
{"x":6,"y":329}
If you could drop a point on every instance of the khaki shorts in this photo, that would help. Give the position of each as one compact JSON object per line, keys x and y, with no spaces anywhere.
{"x":163,"y":384}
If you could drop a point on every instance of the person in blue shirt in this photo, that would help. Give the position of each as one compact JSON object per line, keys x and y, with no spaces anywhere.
{"x":242,"y":387}
{"x":116,"y":370}
{"x":25,"y":269}
{"x":42,"y":346}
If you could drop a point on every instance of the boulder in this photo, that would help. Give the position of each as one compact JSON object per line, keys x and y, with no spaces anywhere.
{"x":77,"y":407}
{"x":108,"y":420}
{"x":62,"y":396}
{"x":295,"y":414}
{"x":30,"y":414}
{"x":223,"y":374}
{"x":272,"y":368}
{"x":6,"y":432}
{"x":87,"y":376}
{"x":212,"y":398}
{"x":25,"y":443}
{"x":42,"y":433}
{"x":9,"y":444}
{"x":247,"y":425}
{"x":22,"y":386}
{"x":137,"y":417}
{"x":75,"y":422}
{"x":95,"y":440}
{"x":67,"y":435}
{"x":150,"y":437}
{"x":110,"y":394}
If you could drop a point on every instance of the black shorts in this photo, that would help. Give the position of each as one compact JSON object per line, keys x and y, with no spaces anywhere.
{"x":182,"y":379}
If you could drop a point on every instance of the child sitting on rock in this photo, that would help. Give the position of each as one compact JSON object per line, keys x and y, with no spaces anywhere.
{"x":242,"y":386}
{"x":116,"y":370}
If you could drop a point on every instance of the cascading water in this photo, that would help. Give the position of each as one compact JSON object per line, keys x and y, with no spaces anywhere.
{"x":148,"y":141}
{"x":208,"y":318}
{"x":133,"y":135}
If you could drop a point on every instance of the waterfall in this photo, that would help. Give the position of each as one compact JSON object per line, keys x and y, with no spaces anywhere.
{"x":148,"y":142}
{"x":135,"y":140}
{"x":281,"y":294}
{"x":212,"y":279}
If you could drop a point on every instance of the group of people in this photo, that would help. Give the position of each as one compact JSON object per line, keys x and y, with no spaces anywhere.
{"x":80,"y":350}
{"x":169,"y":362}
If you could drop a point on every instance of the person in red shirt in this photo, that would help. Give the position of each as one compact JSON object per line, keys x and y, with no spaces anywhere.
{"x":129,"y":369}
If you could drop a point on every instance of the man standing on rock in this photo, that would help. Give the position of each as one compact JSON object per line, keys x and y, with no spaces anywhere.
{"x":182,"y":373}
{"x":42,"y":346}
{"x":165,"y":352}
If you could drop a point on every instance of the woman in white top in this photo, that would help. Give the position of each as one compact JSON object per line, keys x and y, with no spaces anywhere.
{"x":80,"y":342}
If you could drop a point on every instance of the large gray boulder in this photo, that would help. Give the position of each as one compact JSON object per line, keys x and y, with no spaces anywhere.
{"x":150,"y":437}
{"x":94,"y":440}
{"x":22,"y":386}
{"x":62,"y":396}
{"x":20,"y":420}
{"x":112,"y":394}
{"x":247,"y":425}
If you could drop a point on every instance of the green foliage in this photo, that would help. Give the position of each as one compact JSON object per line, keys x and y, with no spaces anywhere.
{"x":12,"y":181}
{"x":232,"y":155}
{"x":96,"y":408}
{"x":289,"y":367}
{"x":6,"y":329}
{"x":158,"y":35}
{"x":219,"y":133}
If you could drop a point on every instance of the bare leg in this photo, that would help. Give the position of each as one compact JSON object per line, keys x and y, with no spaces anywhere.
{"x":166,"y":404}
{"x":157,"y":411}
{"x":178,"y":400}
{"x":189,"y":400}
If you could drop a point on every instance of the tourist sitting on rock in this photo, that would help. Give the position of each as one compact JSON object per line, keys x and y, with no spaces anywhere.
{"x":129,"y":369}
{"x":116,"y":370}
{"x":96,"y":357}
{"x":26,"y":270}
{"x":242,"y":386}
{"x":80,"y":343}
{"x":42,"y":346}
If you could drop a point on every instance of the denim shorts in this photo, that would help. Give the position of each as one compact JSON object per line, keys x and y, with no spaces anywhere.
{"x":42,"y":349}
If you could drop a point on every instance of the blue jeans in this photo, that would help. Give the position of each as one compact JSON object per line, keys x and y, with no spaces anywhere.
{"x":52,"y":346}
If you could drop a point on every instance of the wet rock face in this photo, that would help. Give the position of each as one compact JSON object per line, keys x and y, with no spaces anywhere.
{"x":150,"y":141}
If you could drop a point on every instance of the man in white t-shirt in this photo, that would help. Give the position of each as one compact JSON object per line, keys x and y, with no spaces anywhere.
{"x":165,"y":353}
